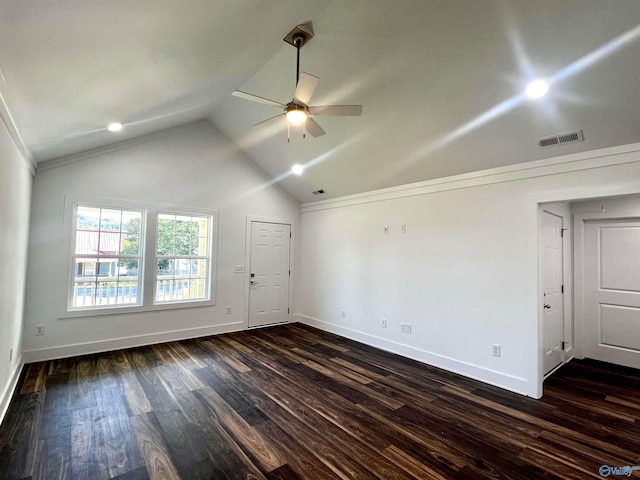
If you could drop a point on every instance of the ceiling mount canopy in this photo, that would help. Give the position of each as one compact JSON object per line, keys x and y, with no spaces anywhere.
{"x":300,"y":35}
{"x":298,"y":111}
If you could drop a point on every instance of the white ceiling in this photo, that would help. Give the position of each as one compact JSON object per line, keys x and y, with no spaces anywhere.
{"x":440,"y":80}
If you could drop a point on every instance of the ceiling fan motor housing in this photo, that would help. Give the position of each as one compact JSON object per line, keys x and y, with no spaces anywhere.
{"x":294,"y":106}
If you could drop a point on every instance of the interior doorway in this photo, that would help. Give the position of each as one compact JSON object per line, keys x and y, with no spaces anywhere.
{"x":600,"y":281}
{"x":607,"y":261}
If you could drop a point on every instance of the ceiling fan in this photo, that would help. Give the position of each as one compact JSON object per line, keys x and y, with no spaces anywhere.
{"x":298,"y":111}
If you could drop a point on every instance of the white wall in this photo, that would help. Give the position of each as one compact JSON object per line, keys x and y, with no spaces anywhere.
{"x":465,"y":273}
{"x":190,"y":166}
{"x":15,"y":196}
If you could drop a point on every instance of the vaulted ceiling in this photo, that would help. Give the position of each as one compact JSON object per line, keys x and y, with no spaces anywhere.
{"x":440,"y":81}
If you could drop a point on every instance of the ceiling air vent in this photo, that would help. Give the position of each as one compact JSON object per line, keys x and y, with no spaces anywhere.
{"x":561,"y":139}
{"x":318,"y":192}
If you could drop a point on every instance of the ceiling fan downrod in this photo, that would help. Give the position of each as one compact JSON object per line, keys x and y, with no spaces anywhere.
{"x":298,"y":41}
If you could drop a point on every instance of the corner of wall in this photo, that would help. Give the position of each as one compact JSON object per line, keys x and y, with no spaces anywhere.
{"x":9,"y":390}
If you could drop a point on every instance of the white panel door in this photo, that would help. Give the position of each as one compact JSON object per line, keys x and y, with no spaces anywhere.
{"x":552,"y":295}
{"x":612,"y":291}
{"x":269,"y":273}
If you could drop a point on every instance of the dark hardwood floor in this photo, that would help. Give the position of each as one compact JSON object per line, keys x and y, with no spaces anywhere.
{"x":293,"y":402}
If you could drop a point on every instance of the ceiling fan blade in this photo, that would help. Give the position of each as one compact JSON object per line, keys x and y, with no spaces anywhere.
{"x":306,"y":86}
{"x":337,"y":110}
{"x":270,"y":120}
{"x":313,"y":128}
{"x":256,"y":98}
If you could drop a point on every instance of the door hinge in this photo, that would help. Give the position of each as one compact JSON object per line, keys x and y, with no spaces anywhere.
{"x":290,"y":235}
{"x":562,"y":289}
{"x":289,"y":272}
{"x":287,"y":310}
{"x":563,"y":344}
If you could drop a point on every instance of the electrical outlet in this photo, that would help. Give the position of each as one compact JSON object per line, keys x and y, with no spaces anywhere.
{"x":495,"y":350}
{"x":403,"y":328}
{"x":38,"y":330}
{"x":343,"y":313}
{"x":403,"y":228}
{"x":228,"y":310}
{"x":386,"y":229}
{"x":384,"y":323}
{"x":407,"y":328}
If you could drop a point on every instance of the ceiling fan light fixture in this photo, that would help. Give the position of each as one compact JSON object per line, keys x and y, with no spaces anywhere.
{"x":296,"y":116}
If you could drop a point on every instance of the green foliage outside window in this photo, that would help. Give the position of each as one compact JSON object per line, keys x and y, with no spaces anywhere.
{"x":175,"y":238}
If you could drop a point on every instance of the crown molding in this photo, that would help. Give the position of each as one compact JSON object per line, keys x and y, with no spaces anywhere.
{"x":14,"y":133}
{"x":114,"y":147}
{"x":551,"y":166}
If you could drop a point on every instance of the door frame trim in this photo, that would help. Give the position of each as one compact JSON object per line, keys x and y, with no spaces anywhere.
{"x":247,"y":263}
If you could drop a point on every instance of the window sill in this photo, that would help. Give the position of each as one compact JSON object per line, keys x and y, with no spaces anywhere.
{"x":129,"y":310}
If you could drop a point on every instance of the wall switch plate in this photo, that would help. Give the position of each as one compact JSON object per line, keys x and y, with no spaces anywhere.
{"x":343,"y":313}
{"x":407,"y":328}
{"x":403,"y":328}
{"x":386,"y":229}
{"x":495,"y":350}
{"x":228,"y":310}
{"x":403,"y":228}
{"x":38,"y":330}
{"x":384,"y":323}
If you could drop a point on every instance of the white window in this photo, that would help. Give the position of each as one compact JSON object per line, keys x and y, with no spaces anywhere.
{"x":106,"y":257}
{"x":111,"y":272}
{"x":183,"y":258}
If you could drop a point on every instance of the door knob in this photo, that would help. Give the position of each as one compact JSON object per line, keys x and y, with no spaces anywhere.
{"x":546,"y":305}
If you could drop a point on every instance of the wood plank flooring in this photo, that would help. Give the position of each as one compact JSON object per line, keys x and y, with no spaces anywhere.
{"x":292,"y":402}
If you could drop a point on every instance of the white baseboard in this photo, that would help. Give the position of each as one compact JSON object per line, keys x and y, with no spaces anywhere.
{"x":492,"y":377}
{"x":7,"y":394}
{"x":44,"y":354}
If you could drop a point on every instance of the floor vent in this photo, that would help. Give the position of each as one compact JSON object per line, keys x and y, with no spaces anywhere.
{"x":318,"y":192}
{"x":561,"y":139}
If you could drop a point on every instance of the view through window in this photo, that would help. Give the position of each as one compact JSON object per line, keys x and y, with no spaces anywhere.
{"x":109,"y":265}
{"x":182,"y":254}
{"x":107,"y":257}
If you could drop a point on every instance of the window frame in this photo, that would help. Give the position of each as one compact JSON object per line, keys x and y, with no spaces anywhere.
{"x":146,"y":271}
{"x":207,"y":258}
{"x":75,"y":256}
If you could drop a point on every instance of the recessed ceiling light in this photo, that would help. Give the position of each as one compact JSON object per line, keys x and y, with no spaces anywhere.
{"x":297,"y":169}
{"x":537,"y":89}
{"x":114,"y":127}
